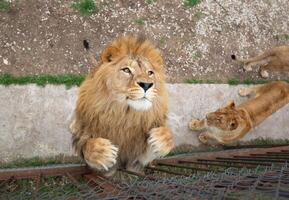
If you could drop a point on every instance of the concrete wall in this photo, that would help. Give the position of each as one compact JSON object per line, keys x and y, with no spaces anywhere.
{"x":34,"y":120}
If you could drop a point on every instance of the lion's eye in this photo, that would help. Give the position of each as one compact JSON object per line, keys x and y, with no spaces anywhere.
{"x":150,"y":73}
{"x":126,"y":70}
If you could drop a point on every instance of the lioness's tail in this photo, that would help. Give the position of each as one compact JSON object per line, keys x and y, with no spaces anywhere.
{"x":253,"y":59}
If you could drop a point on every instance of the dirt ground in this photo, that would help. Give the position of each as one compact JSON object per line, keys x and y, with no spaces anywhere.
{"x":46,"y":36}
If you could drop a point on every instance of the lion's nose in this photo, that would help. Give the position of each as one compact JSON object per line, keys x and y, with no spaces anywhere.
{"x":145,"y":86}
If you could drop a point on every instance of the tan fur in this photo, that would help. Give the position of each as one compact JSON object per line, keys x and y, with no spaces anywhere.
{"x":276,"y":59}
{"x":232,"y":122}
{"x":116,"y":123}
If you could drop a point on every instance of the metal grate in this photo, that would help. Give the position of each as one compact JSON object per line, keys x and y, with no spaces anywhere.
{"x":261,"y":173}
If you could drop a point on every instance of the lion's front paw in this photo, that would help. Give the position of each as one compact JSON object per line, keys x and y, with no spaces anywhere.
{"x":100,"y":153}
{"x":161,"y":141}
{"x":196,"y":124}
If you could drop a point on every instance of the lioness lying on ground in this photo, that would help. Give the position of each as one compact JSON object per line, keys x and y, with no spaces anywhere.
{"x":232,"y":122}
{"x":276,"y":59}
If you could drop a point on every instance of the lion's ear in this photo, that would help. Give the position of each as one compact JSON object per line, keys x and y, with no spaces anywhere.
{"x":109,"y":53}
{"x":231,"y":104}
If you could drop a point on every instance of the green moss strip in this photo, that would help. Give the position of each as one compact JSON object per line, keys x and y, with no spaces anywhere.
{"x":230,"y":82}
{"x":37,"y":161}
{"x":190,"y":149}
{"x":75,"y":80}
{"x":41,"y":80}
{"x":246,"y":82}
{"x":4,"y":5}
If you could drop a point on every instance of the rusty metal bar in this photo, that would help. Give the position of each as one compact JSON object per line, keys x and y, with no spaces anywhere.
{"x":213,"y":164}
{"x":4,"y":182}
{"x":255,"y":146}
{"x":237,"y":162}
{"x":72,"y":179}
{"x":133,"y":173}
{"x":270,"y":155}
{"x":264,"y":157}
{"x":75,"y":182}
{"x":251,"y":159}
{"x":57,"y":170}
{"x":37,"y":185}
{"x":101,"y":181}
{"x":277,"y":153}
{"x":137,"y":174}
{"x":186,"y":167}
{"x":168,"y":171}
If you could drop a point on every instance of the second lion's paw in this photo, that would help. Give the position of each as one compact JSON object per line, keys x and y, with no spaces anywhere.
{"x":161,"y":141}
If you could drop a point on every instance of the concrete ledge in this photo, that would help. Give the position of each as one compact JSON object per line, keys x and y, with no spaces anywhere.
{"x":34,"y":120}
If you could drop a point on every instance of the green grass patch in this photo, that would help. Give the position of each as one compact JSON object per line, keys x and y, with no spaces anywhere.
{"x":36,"y":162}
{"x":194,"y":81}
{"x":151,"y":1}
{"x":196,"y":55}
{"x":246,"y":82}
{"x":59,"y":187}
{"x":200,"y":15}
{"x":191,"y":3}
{"x":139,"y":21}
{"x":257,"y":142}
{"x":4,"y":5}
{"x":85,"y":7}
{"x":189,"y":149}
{"x":267,"y":141}
{"x":41,"y":80}
{"x":282,"y":37}
{"x":162,"y":41}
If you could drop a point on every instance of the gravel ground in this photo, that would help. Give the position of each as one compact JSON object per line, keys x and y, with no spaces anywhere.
{"x":46,"y":36}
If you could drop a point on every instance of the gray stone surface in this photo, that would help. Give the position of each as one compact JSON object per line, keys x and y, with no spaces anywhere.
{"x":34,"y":120}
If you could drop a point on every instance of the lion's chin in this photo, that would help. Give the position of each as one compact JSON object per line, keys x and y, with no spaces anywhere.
{"x":140,"y":104}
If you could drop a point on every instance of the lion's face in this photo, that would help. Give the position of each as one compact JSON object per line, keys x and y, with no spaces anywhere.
{"x":133,"y":79}
{"x":226,"y":119}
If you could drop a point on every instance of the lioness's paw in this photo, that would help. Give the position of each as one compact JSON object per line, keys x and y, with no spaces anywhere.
{"x":264,"y":74}
{"x":196,"y":124}
{"x":100,"y":154}
{"x":244,"y":92}
{"x":161,"y":141}
{"x":203,"y":137}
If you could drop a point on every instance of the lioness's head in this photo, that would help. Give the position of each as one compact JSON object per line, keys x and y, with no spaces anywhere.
{"x":228,"y":119}
{"x":131,"y":69}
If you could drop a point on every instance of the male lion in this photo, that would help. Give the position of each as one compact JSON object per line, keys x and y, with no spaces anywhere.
{"x":122,"y":106}
{"x":230,"y":123}
{"x":276,"y":59}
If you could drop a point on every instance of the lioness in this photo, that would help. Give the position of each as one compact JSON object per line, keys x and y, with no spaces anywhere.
{"x":276,"y":59}
{"x":122,"y":106}
{"x":232,"y":122}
